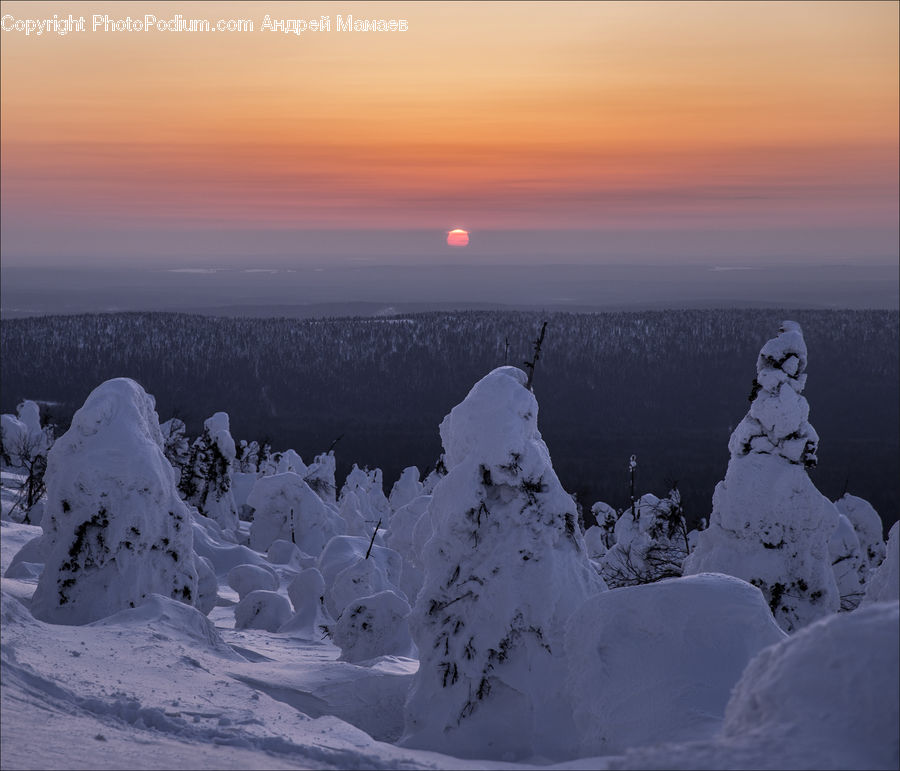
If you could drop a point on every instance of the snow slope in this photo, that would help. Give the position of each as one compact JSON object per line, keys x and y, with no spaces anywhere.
{"x":158,"y":687}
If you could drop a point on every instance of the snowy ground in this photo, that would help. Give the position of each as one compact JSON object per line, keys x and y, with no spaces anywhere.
{"x":157,"y":687}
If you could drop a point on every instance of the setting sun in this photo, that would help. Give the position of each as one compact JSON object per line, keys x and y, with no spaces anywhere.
{"x":458,"y":237}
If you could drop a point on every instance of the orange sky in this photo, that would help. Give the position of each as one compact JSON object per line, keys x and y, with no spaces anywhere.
{"x":508,"y":115}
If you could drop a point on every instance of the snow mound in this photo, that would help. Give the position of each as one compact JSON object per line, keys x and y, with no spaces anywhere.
{"x":504,"y":569}
{"x":884,"y":584}
{"x":221,"y":555}
{"x":374,"y":626}
{"x":176,"y":620}
{"x":832,"y":685}
{"x":262,"y":610}
{"x":28,"y":561}
{"x":286,"y":553}
{"x":656,"y":663}
{"x":286,"y":508}
{"x":117,"y":531}
{"x":248,"y":578}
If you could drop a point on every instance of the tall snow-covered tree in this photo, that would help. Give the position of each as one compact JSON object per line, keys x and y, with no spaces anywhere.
{"x":769,"y":524}
{"x":206,"y":477}
{"x":115,"y":528}
{"x":505,"y":567}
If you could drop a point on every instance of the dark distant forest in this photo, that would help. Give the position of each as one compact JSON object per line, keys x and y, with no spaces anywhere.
{"x":667,"y":386}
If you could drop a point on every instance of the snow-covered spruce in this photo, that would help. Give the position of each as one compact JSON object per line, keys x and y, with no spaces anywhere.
{"x":24,"y":444}
{"x":115,"y":527}
{"x":368,"y":488}
{"x":286,"y":508}
{"x":769,"y":524}
{"x":374,"y":626}
{"x":400,"y":538}
{"x":22,"y":433}
{"x":884,"y":583}
{"x":320,"y":477}
{"x":847,"y":564}
{"x":869,"y":529}
{"x":206,"y":477}
{"x":650,"y":542}
{"x":176,"y":447}
{"x":606,"y":517}
{"x":291,"y":461}
{"x":406,"y":488}
{"x":351,"y":511}
{"x":504,"y":570}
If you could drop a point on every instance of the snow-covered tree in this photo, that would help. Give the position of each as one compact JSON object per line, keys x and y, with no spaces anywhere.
{"x":884,"y":582}
{"x":434,"y":476}
{"x":406,"y":488}
{"x":368,"y":488}
{"x":650,"y":542}
{"x":320,"y":477}
{"x":374,"y":626}
{"x":606,"y":517}
{"x":401,"y":538}
{"x":206,"y":477}
{"x":25,"y":444}
{"x":353,"y":567}
{"x":769,"y":524}
{"x":869,"y":529}
{"x":247,"y":457}
{"x":291,"y":461}
{"x":285,"y":507}
{"x":504,"y":569}
{"x":115,"y":529}
{"x":176,"y":446}
{"x":847,"y":563}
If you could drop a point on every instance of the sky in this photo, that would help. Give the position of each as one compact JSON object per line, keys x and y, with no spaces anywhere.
{"x":589,"y":131}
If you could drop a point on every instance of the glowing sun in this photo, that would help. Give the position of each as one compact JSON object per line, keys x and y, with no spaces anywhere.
{"x":458,"y":237}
